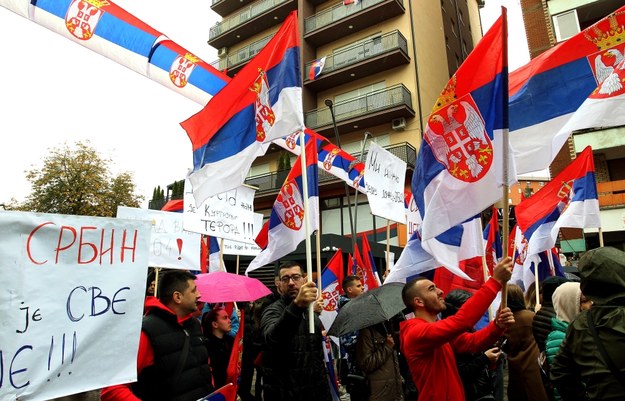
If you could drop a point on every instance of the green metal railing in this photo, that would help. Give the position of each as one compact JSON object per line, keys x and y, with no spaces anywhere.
{"x":336,"y":13}
{"x":245,"y":14}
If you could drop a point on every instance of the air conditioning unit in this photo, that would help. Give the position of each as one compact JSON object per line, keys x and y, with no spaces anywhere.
{"x":223,"y":52}
{"x":398,"y":124}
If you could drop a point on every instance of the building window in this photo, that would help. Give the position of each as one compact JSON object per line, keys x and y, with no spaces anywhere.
{"x":566,"y":25}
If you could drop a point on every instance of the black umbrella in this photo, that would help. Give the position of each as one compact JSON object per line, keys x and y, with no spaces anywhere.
{"x":372,"y":307}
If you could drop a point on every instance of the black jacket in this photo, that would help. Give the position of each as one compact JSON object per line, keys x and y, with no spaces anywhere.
{"x":219,"y":350}
{"x":293,"y":365}
{"x":541,"y":324}
{"x":159,"y":382}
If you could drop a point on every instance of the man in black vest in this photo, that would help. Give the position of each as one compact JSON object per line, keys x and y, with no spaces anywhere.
{"x":172,"y":363}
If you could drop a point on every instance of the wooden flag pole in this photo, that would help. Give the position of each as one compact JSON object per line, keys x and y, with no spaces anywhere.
{"x":156,"y":273}
{"x":388,"y":245}
{"x":318,"y":256}
{"x":237,"y":268}
{"x":221,"y":255}
{"x":506,"y":152}
{"x":311,"y":310}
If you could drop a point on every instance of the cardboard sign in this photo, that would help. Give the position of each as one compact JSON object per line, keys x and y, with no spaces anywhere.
{"x":229,"y":215}
{"x":242,"y":248}
{"x":385,"y":174}
{"x":71,"y":303}
{"x":170,"y":245}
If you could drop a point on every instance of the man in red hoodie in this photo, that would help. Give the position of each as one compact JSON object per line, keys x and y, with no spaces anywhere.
{"x":172,"y":362}
{"x":428,"y":343}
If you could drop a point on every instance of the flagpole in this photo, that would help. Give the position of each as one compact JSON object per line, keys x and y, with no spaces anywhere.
{"x":506,"y":150}
{"x":601,"y":237}
{"x":237,"y":268}
{"x":485,"y":272}
{"x":311,"y":310}
{"x":221,"y":254}
{"x":388,"y":244}
{"x":318,"y":255}
{"x":156,"y":272}
{"x":355,"y":228}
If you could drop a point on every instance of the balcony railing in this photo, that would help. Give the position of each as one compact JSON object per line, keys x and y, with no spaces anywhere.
{"x":253,"y":10}
{"x":359,"y":106}
{"x":362,"y":51}
{"x":611,"y":193}
{"x":273,"y":181}
{"x":241,"y":56}
{"x":336,"y":13}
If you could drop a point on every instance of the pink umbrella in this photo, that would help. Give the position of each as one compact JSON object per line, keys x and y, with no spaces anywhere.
{"x":227,"y":287}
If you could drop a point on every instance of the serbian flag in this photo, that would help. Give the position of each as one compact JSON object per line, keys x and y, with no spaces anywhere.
{"x":285,"y":228}
{"x":459,"y":167}
{"x":214,"y":255}
{"x":316,"y":68}
{"x":233,"y":371}
{"x":261,"y":103}
{"x":357,"y":267}
{"x":333,"y":382}
{"x":225,"y":393}
{"x":546,"y":92}
{"x":367,"y":258}
{"x":331,"y":158}
{"x":111,"y":31}
{"x":568,"y":200}
{"x":413,"y":260}
{"x":492,"y":242}
{"x":331,"y":288}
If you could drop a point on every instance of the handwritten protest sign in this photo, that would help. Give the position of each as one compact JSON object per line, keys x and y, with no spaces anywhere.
{"x":413,"y":218}
{"x":170,"y":245}
{"x":385,"y":174}
{"x":229,"y":215}
{"x":71,"y":303}
{"x":242,"y":248}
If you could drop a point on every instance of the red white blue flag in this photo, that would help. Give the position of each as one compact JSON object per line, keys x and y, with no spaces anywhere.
{"x":225,"y":393}
{"x":545,"y":93}
{"x":568,"y":200}
{"x":459,"y":167}
{"x":493,"y":250}
{"x":107,"y":29}
{"x":285,"y":228}
{"x":331,"y":158}
{"x":316,"y":67}
{"x":263,"y":102}
{"x":331,"y":288}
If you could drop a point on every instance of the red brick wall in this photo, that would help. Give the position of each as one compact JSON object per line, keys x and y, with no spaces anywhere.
{"x":538,"y":28}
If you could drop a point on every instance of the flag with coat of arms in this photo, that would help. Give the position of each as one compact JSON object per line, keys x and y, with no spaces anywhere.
{"x":285,"y":228}
{"x":261,"y":103}
{"x":460,"y":165}
{"x":568,"y":200}
{"x":316,"y":67}
{"x":331,"y":288}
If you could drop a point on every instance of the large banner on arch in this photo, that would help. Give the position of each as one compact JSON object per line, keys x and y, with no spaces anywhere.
{"x":71,"y":303}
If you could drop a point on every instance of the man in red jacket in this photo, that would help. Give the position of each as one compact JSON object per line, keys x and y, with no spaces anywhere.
{"x":429,"y":343}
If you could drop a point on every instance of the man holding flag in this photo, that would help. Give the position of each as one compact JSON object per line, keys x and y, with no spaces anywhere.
{"x":294,"y":368}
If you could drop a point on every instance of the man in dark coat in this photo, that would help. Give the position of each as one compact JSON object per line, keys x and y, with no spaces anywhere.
{"x":172,"y":362}
{"x":541,"y":324}
{"x":579,"y":370}
{"x":293,"y":365}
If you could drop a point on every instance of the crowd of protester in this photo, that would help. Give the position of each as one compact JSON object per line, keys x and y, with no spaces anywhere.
{"x":565,"y":345}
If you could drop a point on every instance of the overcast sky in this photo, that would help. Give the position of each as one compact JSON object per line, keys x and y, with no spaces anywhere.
{"x":55,"y":91}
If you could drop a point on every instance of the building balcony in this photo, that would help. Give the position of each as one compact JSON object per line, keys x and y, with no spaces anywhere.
{"x":233,"y":63}
{"x":250,"y":20}
{"x":367,"y":58}
{"x":361,"y":112}
{"x":611,"y":194}
{"x":225,"y":7}
{"x":340,"y":20}
{"x":268,"y":184}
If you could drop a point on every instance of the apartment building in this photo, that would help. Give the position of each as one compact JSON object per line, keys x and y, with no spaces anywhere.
{"x":386,"y":62}
{"x":548,"y":22}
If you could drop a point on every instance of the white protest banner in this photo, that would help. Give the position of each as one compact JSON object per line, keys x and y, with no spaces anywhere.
{"x":413,"y":218}
{"x":170,"y":245}
{"x":229,"y":215}
{"x":384,"y":176}
{"x":241,"y":248}
{"x":71,"y":303}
